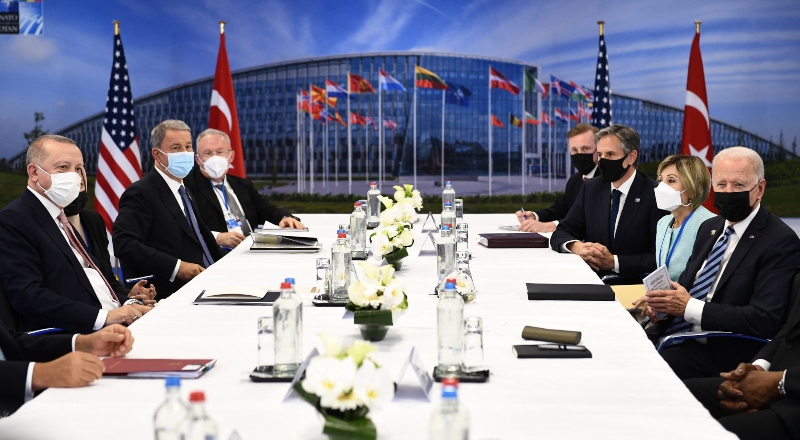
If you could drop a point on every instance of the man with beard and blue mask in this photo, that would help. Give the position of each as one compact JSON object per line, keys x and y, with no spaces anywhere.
{"x":47,"y":275}
{"x":738,"y":278}
{"x":158,"y":231}
{"x":230,"y":206}
{"x":612,"y":225}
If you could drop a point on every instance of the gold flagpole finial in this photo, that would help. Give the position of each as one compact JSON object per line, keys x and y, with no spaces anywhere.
{"x":697,"y":24}
{"x":116,"y":27}
{"x":221,"y":27}
{"x":601,"y":23}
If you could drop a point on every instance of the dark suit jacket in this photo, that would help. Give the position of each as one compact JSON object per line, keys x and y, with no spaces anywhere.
{"x":19,"y":350}
{"x":151,"y":233}
{"x":635,"y":239}
{"x":95,"y":229}
{"x":561,"y":206}
{"x":752,"y":294}
{"x":256,"y":207}
{"x":40,"y":275}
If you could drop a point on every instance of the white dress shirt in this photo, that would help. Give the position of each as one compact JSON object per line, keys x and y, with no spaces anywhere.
{"x":226,"y":211}
{"x":174,"y":187}
{"x":95,"y":278}
{"x":694,"y":308}
{"x":29,"y":376}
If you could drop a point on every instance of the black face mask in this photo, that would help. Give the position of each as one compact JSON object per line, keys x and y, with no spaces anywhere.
{"x":733,"y":206}
{"x":583,"y":162}
{"x":612,"y":169}
{"x":77,"y":205}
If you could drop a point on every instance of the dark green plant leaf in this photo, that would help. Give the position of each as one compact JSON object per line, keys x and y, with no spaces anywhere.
{"x":377,"y":317}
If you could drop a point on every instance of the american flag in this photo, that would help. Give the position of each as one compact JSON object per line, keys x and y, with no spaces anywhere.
{"x":120,"y":162}
{"x":388,"y":123}
{"x":601,"y":109}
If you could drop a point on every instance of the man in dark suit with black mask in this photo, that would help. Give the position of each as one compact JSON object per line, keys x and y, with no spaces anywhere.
{"x":583,"y":154}
{"x":230,"y":206}
{"x":612,"y":225}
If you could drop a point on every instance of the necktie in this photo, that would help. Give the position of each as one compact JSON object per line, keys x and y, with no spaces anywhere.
{"x":234,"y":207}
{"x":73,"y":241}
{"x":2,"y":356}
{"x":585,"y":178}
{"x":187,"y":207}
{"x":704,"y":281}
{"x":612,"y":218}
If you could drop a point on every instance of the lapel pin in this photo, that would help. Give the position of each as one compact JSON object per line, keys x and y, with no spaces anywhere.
{"x":637,"y":200}
{"x":713,"y":232}
{"x":752,"y":236}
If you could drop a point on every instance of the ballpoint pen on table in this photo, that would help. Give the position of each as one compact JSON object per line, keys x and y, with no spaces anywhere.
{"x":524,"y":216}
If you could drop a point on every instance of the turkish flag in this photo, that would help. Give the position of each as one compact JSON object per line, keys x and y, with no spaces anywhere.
{"x":696,"y":139}
{"x":222,"y":114}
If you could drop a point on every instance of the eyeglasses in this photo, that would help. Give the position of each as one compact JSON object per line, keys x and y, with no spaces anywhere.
{"x":209,"y":154}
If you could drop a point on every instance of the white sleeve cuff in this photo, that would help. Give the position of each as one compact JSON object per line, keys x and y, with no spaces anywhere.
{"x":99,"y":323}
{"x":763,"y":364}
{"x":175,"y":272}
{"x":694,"y":311}
{"x":535,"y":216}
{"x":616,"y":264}
{"x":74,"y":338}
{"x":555,"y":222}
{"x":215,"y":233}
{"x":564,"y":247}
{"x":29,"y":383}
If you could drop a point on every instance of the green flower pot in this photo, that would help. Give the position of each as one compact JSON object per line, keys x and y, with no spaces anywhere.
{"x":373,"y":332}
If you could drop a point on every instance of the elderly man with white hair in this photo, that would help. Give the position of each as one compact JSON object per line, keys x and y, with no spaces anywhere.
{"x":738,"y":278}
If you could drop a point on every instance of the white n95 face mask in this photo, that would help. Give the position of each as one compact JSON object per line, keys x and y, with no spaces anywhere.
{"x":668,"y":198}
{"x":216,"y":166}
{"x":64,"y":188}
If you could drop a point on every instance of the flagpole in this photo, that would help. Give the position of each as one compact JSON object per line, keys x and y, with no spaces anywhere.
{"x":567,"y":157}
{"x":522,"y":149}
{"x":311,"y":142}
{"x":539,"y":129}
{"x":442,"y":155}
{"x":490,"y":131}
{"x":366,"y":149}
{"x":551,"y":137}
{"x":349,"y":141}
{"x":380,"y":133}
{"x":336,"y":150}
{"x":415,"y":126}
{"x":297,"y":137}
{"x":327,"y":161}
{"x":509,"y":149}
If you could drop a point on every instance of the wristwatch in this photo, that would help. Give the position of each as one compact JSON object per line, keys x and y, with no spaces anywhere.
{"x":782,"y":385}
{"x":133,"y":301}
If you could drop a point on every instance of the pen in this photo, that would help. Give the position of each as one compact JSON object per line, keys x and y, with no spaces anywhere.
{"x":136,"y":280}
{"x":561,"y":347}
{"x":524,"y":216}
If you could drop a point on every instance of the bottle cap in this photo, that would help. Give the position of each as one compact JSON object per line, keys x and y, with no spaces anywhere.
{"x":341,"y":235}
{"x":450,"y":280}
{"x":289,"y":280}
{"x":448,"y":204}
{"x":373,"y":183}
{"x":173,"y":381}
{"x":450,"y":286}
{"x":450,"y":381}
{"x":197,"y":396}
{"x":357,"y":204}
{"x":448,"y":183}
{"x":445,"y":228}
{"x":286,"y":285}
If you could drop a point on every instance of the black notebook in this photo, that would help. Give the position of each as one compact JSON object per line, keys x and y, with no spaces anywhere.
{"x":570,"y":292}
{"x":534,"y":351}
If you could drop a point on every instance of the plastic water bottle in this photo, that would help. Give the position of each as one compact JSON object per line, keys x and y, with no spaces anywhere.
{"x":448,"y":195}
{"x":450,"y":331}
{"x":199,"y":426}
{"x":450,"y":421}
{"x":374,"y":206}
{"x":170,"y":416}
{"x":449,"y":216}
{"x":358,"y":232}
{"x":341,"y":263}
{"x":291,"y":281}
{"x":445,"y":254}
{"x":287,"y":318}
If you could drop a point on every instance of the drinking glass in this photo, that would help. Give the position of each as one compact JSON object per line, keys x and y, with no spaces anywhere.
{"x":472,"y":354}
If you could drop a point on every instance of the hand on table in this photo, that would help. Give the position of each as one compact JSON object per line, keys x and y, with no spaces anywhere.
{"x":229,"y":239}
{"x":76,"y":369}
{"x":114,"y":340}
{"x":291,"y":222}
{"x":533,"y":225}
{"x":187,"y":271}
{"x":595,"y":255}
{"x":126,"y":315}
{"x":144,"y":294}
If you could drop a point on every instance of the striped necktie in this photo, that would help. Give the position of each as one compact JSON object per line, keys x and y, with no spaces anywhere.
{"x":208,"y":260}
{"x":704,"y":281}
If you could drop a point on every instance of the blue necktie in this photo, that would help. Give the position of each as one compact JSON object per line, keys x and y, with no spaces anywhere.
{"x":612,"y":219}
{"x":187,"y":206}
{"x":2,"y":356}
{"x":704,"y":281}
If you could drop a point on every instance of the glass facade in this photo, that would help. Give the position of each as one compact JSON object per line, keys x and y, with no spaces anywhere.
{"x":271,"y":129}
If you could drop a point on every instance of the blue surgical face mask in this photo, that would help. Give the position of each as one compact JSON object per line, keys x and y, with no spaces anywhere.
{"x":180,"y":164}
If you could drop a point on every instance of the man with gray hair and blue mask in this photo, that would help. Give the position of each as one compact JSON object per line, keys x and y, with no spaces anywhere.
{"x":158,"y":231}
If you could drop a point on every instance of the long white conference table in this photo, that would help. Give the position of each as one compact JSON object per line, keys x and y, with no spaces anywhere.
{"x":625,"y":391}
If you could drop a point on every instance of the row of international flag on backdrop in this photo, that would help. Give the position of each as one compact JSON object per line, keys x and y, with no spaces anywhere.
{"x":119,"y":162}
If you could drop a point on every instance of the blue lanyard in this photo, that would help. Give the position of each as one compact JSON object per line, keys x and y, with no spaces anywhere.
{"x":674,"y":244}
{"x":224,"y":194}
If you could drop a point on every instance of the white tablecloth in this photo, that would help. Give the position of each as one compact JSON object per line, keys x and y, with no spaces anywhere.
{"x":625,"y":391}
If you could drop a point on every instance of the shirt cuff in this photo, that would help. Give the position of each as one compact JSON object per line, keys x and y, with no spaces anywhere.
{"x":215,"y":233}
{"x":535,"y":216}
{"x":616,"y":264}
{"x":74,"y":338}
{"x":564,"y":247}
{"x":694,"y":311}
{"x":175,"y":272}
{"x":29,"y":383}
{"x":763,"y":364}
{"x":99,"y":323}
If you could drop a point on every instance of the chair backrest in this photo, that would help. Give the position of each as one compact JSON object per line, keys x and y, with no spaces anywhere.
{"x":8,"y":316}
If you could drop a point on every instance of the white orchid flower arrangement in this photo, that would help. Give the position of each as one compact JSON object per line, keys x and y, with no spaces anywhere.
{"x":344,"y":382}
{"x":377,"y":296}
{"x":406,"y":194}
{"x":391,"y":238}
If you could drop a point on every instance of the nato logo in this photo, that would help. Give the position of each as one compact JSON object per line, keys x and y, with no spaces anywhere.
{"x":22,"y":17}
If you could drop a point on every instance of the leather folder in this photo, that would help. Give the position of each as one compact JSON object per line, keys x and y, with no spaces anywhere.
{"x":514,"y":240}
{"x":570,"y":292}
